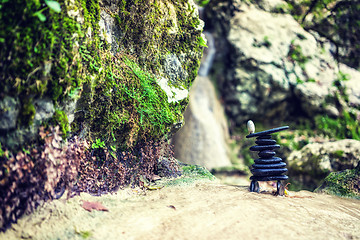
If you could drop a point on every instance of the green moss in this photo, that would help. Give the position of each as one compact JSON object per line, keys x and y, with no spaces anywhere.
{"x":190,"y":175}
{"x":197,"y":171}
{"x":120,"y":102}
{"x":296,"y":54}
{"x":61,"y":119}
{"x":159,"y":29}
{"x":27,"y":113}
{"x":346,"y":126}
{"x":38,"y":55}
{"x":2,"y":152}
{"x":344,"y":183}
{"x":130,"y":105}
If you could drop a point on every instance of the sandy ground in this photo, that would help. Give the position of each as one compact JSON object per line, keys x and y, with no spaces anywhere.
{"x":202,"y":210}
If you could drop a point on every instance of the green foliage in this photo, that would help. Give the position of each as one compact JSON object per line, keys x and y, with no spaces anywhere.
{"x":98,"y":144}
{"x":2,"y":152}
{"x":202,"y":42}
{"x":129,"y":105}
{"x":346,"y":126}
{"x":294,"y":140}
{"x":85,"y":234}
{"x":338,"y":83}
{"x":60,"y":118}
{"x":202,"y":3}
{"x":53,"y":5}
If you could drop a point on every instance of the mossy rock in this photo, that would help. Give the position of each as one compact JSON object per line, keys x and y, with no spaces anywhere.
{"x":310,"y":166}
{"x":126,"y":67}
{"x":343,"y":183}
{"x":189,"y":175}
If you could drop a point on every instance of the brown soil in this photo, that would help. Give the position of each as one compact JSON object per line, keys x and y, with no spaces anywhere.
{"x":202,"y":210}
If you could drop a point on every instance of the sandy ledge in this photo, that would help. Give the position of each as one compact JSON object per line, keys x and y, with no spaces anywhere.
{"x":201,"y":210}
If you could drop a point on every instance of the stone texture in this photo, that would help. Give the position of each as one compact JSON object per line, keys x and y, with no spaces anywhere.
{"x":85,"y":71}
{"x":310,"y":165}
{"x":270,"y":68}
{"x":344,"y":183}
{"x":9,"y":110}
{"x":44,"y":110}
{"x":109,"y":31}
{"x":202,"y":140}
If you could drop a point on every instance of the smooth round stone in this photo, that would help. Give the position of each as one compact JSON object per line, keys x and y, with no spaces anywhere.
{"x":267,"y":132}
{"x":266,"y":154}
{"x":268,"y":172}
{"x":268,"y":161}
{"x":265,"y":147}
{"x":264,"y":137}
{"x":262,"y":142}
{"x":275,"y":165}
{"x":269,"y":178}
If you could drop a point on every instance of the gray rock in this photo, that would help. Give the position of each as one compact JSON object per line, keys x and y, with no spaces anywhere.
{"x":202,"y":140}
{"x":15,"y":137}
{"x":270,"y":67}
{"x":315,"y":161}
{"x":109,"y":31}
{"x":173,"y":69}
{"x":9,"y":110}
{"x":44,"y":110}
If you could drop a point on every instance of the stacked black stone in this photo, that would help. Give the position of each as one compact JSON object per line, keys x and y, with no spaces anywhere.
{"x":267,"y":167}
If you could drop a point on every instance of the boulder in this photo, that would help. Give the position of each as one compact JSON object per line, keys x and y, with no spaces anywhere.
{"x":343,"y":183}
{"x":114,"y":71}
{"x":310,"y":165}
{"x":270,"y":69}
{"x":203,"y":138}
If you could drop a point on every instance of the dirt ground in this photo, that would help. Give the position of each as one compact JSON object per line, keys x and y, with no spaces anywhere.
{"x":201,"y":210}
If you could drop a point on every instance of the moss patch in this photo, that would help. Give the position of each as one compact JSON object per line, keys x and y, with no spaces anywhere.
{"x":60,"y":118}
{"x":189,"y":175}
{"x":344,"y":183}
{"x":64,"y":53}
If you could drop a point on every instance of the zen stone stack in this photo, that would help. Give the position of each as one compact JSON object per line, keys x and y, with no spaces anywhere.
{"x":267,"y":167}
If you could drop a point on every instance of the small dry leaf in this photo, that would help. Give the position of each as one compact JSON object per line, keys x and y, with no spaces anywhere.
{"x":172,"y":206}
{"x":89,"y":206}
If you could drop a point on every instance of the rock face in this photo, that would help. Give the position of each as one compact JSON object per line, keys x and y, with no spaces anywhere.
{"x":270,"y":69}
{"x":315,"y":161}
{"x":115,"y":74}
{"x":202,"y":140}
{"x":116,"y":71}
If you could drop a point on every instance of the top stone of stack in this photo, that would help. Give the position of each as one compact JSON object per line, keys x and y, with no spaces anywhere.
{"x":267,"y":132}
